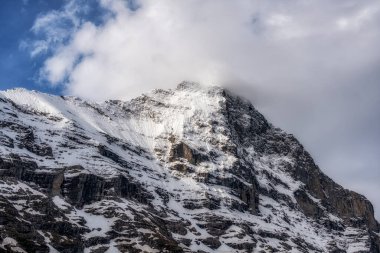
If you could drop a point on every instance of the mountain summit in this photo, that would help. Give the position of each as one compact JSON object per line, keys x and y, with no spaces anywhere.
{"x":194,"y":169}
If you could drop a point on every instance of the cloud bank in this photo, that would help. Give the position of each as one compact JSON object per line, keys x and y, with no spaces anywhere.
{"x":312,"y":67}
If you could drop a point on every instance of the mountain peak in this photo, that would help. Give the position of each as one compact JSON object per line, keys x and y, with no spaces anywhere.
{"x":188,"y":85}
{"x":194,"y":169}
{"x":198,"y":87}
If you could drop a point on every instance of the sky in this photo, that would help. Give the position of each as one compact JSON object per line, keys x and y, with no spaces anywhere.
{"x":311,"y":67}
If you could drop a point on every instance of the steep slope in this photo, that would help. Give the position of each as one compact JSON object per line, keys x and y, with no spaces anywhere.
{"x":193,"y":169}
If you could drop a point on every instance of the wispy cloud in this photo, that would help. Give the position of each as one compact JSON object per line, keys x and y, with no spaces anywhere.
{"x":55,"y":28}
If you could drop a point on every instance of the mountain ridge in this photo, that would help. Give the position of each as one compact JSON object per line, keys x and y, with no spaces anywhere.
{"x":195,"y":169}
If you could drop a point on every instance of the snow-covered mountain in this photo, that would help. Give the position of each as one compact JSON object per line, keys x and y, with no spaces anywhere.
{"x":195,"y":169}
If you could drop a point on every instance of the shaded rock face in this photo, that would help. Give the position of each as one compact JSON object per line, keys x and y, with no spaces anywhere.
{"x":79,"y":189}
{"x":187,"y":170}
{"x":181,"y":150}
{"x":41,"y":216}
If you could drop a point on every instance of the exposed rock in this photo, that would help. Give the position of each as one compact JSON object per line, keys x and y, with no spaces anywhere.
{"x":211,"y":242}
{"x":181,"y":150}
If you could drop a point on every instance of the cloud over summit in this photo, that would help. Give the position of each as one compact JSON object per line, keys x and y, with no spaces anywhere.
{"x":160,"y":43}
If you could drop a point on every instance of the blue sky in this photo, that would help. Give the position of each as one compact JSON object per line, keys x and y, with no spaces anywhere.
{"x":18,"y":69}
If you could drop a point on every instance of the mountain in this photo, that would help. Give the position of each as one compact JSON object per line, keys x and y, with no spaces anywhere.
{"x":194,"y":169}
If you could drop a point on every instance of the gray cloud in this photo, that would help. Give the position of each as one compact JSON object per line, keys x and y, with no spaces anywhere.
{"x":312,"y":67}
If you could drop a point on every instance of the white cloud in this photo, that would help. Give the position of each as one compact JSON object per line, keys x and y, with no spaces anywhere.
{"x":55,"y":27}
{"x":311,"y":66}
{"x":359,"y":19}
{"x":164,"y":42}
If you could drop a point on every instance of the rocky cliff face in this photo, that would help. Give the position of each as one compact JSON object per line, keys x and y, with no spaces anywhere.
{"x":187,"y":170}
